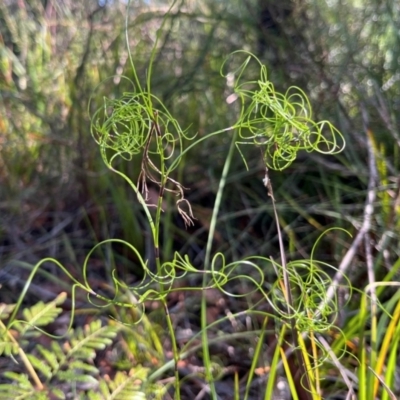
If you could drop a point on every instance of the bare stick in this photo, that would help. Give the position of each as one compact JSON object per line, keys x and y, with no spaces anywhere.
{"x":368,"y":213}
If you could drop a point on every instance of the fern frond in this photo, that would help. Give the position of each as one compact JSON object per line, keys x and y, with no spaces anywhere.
{"x":79,"y":365}
{"x":92,"y":337}
{"x":41,"y":314}
{"x":57,"y":394}
{"x":57,"y":350}
{"x":8,"y":344}
{"x":49,"y":361}
{"x":55,"y":364}
{"x":20,"y":388}
{"x":51,"y":356}
{"x":40,"y":366}
{"x":5,"y":310}
{"x":7,"y":347}
{"x":124,"y":386}
{"x":66,"y":368}
{"x":73,"y":378}
{"x":94,"y":396}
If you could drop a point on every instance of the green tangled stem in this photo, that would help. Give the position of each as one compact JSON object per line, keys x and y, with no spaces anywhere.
{"x":307,"y":277}
{"x":131,"y":127}
{"x":139,"y":125}
{"x":282,"y":124}
{"x":125,"y":125}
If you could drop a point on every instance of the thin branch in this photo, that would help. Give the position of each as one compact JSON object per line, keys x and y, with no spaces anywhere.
{"x":368,"y":213}
{"x":343,"y":371}
{"x":305,"y":391}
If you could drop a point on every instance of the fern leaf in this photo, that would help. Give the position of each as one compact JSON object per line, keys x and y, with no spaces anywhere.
{"x":51,"y":357}
{"x":7,"y":347}
{"x":124,"y":386}
{"x":72,"y":377}
{"x":57,"y":394}
{"x":42,"y":314}
{"x":40,"y":366}
{"x":92,"y":337}
{"x":92,"y":395}
{"x":20,"y":388}
{"x":79,"y":365}
{"x":5,"y":310}
{"x":64,"y":366}
{"x":57,"y":350}
{"x":50,"y":361}
{"x":79,"y":372}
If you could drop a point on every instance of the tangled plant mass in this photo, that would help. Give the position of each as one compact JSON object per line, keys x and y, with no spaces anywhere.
{"x":139,"y":125}
{"x":282,"y":124}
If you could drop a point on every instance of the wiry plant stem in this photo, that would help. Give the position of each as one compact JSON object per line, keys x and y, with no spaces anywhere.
{"x":287,"y":289}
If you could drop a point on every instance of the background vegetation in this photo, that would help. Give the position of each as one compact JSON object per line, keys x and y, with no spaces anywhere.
{"x":59,"y":200}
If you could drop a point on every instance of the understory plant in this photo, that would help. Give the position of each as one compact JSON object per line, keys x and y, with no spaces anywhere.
{"x":300,"y":306}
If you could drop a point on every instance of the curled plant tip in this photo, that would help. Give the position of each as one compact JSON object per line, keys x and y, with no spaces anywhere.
{"x":309,"y":283}
{"x":128,"y":126}
{"x":138,"y":125}
{"x":122,"y":125}
{"x":282,"y":124}
{"x":187,"y":216}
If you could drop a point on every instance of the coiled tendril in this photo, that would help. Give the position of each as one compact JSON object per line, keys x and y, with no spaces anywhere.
{"x":280,"y":123}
